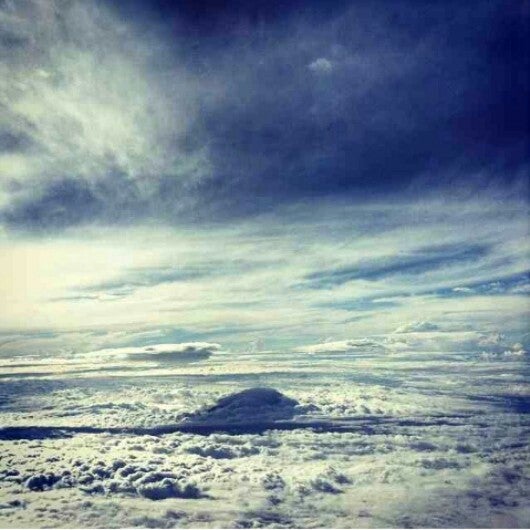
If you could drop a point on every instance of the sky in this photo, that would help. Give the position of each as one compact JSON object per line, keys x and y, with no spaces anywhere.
{"x":263,"y":175}
{"x":264,"y":263}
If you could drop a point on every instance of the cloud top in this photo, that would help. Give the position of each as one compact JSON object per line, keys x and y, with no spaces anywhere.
{"x":253,"y":405}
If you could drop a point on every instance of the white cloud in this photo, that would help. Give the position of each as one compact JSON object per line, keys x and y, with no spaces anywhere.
{"x":462,"y":290}
{"x":353,"y":345}
{"x":321,"y":66}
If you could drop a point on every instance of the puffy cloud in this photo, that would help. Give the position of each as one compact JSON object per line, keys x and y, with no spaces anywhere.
{"x":329,"y":481}
{"x":321,"y":65}
{"x":212,"y":448}
{"x":41,"y":482}
{"x":117,"y":478}
{"x":502,"y":350}
{"x":158,"y":486}
{"x":417,"y":326}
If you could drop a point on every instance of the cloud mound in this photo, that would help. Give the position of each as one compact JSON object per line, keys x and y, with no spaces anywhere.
{"x":253,"y":405}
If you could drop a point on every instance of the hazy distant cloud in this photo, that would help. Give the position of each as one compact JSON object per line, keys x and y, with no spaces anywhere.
{"x":188,"y":351}
{"x":476,"y":343}
{"x":271,"y":277}
{"x":341,"y":346}
{"x":423,"y":338}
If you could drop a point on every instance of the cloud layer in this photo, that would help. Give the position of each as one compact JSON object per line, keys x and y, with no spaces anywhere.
{"x":436,"y":439}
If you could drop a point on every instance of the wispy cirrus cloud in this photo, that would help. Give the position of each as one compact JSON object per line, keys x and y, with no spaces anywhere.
{"x":238,"y":282}
{"x":96,"y":116}
{"x":421,"y":261}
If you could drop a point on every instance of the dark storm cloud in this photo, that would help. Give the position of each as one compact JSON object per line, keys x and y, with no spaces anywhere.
{"x":368,"y":98}
{"x":280,"y":101}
